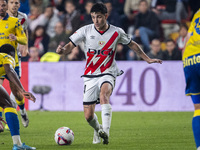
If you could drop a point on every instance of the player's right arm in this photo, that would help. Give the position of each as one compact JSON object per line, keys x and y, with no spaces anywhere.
{"x":12,"y":75}
{"x":66,"y":49}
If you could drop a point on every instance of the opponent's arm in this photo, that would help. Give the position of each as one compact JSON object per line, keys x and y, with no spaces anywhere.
{"x":24,"y":48}
{"x":12,"y":75}
{"x":66,"y":49}
{"x":135,"y":47}
{"x":20,"y":35}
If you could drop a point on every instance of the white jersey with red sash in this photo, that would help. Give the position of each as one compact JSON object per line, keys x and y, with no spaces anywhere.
{"x":100,"y":48}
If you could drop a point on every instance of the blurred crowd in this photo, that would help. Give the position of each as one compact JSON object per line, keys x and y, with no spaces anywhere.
{"x":159,"y":26}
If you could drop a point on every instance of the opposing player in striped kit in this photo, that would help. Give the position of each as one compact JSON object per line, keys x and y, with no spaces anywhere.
{"x":100,"y":40}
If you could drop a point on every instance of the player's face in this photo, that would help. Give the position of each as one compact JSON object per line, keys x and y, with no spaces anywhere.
{"x":3,"y":8}
{"x":99,"y":20}
{"x":13,"y":6}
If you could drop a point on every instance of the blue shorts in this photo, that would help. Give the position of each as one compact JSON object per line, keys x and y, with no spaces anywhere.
{"x":192,"y":75}
{"x":17,"y":70}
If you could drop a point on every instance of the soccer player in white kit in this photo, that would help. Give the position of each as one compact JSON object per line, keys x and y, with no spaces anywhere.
{"x":100,"y":40}
{"x":13,"y":6}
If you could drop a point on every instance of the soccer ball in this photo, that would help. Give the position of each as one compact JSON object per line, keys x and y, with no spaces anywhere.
{"x":64,"y":136}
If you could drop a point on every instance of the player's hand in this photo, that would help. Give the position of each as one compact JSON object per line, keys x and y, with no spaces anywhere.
{"x":1,"y":119}
{"x":12,"y":37}
{"x":29,"y":95}
{"x":23,"y":50}
{"x":150,"y":61}
{"x":60,"y":50}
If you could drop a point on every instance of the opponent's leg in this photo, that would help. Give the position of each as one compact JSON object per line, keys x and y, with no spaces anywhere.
{"x":20,"y":101}
{"x":92,"y":119}
{"x":12,"y":120}
{"x":106,"y":112}
{"x":1,"y":110}
{"x":196,"y":120}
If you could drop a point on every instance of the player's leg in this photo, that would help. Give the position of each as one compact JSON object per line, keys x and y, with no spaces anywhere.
{"x":19,"y":100}
{"x":89,"y":102}
{"x":91,"y":117}
{"x":12,"y":120}
{"x":196,"y":119}
{"x":106,"y":109}
{"x":1,"y":110}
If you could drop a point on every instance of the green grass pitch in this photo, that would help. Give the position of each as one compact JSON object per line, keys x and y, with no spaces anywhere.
{"x":129,"y":131}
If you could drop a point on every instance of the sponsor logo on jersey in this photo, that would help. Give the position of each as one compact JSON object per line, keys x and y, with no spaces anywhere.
{"x":101,"y":56}
{"x":104,"y":52}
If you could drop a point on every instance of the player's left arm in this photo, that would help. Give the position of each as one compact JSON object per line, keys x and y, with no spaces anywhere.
{"x":12,"y":76}
{"x":24,"y":48}
{"x":135,"y":47}
{"x":20,"y":35}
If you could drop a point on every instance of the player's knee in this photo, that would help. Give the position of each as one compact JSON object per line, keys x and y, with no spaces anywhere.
{"x":104,"y":97}
{"x":88,"y":118}
{"x":7,"y":103}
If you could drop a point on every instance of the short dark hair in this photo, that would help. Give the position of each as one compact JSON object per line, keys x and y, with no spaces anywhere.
{"x":184,"y":25}
{"x":8,"y":49}
{"x":99,"y":7}
{"x":170,"y":40}
{"x":141,"y":1}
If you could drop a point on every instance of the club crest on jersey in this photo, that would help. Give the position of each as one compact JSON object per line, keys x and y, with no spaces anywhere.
{"x":6,"y":26}
{"x":101,"y":43}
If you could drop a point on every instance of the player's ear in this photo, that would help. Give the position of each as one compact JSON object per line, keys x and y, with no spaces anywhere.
{"x":106,"y":16}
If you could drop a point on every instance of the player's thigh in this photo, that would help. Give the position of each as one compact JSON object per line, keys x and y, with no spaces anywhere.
{"x":196,"y":101}
{"x":91,"y":91}
{"x":5,"y":98}
{"x":89,"y":111}
{"x":192,"y":77}
{"x":107,"y":84}
{"x":105,"y":92}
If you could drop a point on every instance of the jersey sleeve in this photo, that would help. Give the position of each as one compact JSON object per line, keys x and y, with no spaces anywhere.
{"x":8,"y":60}
{"x":124,"y":38}
{"x":21,"y":36}
{"x":192,"y":25}
{"x":78,"y":36}
{"x":25,"y":22}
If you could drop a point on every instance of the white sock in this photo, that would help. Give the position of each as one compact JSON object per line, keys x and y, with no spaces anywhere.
{"x":17,"y":140}
{"x":23,"y":112}
{"x":95,"y":123}
{"x":106,"y":115}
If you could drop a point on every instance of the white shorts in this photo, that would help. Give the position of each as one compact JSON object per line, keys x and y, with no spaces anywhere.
{"x":92,"y":87}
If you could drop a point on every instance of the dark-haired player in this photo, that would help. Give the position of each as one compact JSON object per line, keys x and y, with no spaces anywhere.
{"x":7,"y":65}
{"x":11,"y":32}
{"x":13,"y":6}
{"x":100,"y":39}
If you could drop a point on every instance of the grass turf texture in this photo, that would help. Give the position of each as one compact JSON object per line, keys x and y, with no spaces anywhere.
{"x":129,"y":131}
